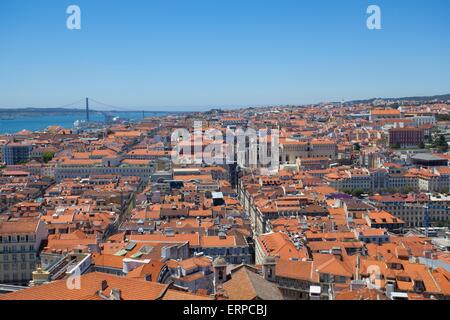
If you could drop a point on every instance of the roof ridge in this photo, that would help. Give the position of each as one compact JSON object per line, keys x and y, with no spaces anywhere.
{"x":434,"y":280}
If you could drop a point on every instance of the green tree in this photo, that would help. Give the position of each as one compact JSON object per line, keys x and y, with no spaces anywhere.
{"x":47,"y":156}
{"x":358,"y":192}
{"x":443,"y":117}
{"x":347,"y":191}
{"x":441,"y":143}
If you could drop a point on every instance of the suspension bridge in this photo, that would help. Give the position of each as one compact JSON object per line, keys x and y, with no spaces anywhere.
{"x":93,"y":105}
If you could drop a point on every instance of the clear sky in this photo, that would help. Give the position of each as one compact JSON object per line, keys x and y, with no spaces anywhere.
{"x":180,"y":54}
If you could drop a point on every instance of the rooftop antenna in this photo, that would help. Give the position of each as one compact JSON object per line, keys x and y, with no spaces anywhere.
{"x":87,"y":109}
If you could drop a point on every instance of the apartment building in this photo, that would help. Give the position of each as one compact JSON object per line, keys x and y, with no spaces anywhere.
{"x":351,"y":179}
{"x":380,"y":114}
{"x":406,"y":137}
{"x":291,"y":150}
{"x":20,"y":240}
{"x":16,"y":153}
{"x":412,"y":209}
{"x":2,"y":150}
{"x":72,"y":169}
{"x":419,"y":180}
{"x":234,"y":249}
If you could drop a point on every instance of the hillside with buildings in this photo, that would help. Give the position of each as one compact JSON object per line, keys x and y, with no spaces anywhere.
{"x":353,"y":205}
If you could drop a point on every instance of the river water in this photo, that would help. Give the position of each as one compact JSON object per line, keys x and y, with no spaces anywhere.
{"x":66,"y":121}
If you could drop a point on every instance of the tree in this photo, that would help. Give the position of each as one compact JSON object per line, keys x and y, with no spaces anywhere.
{"x":47,"y":156}
{"x":358,"y":192}
{"x":394,"y":105}
{"x":443,"y":117}
{"x":407,"y":190}
{"x":441,"y":143}
{"x":347,"y":191}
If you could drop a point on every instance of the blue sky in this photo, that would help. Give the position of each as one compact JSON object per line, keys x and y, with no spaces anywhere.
{"x":193,"y":54}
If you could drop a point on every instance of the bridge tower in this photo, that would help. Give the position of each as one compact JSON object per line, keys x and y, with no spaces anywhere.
{"x":87,"y":109}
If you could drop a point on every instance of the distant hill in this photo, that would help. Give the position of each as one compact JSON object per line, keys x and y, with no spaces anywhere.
{"x":444,"y":97}
{"x":37,"y":112}
{"x":41,"y":110}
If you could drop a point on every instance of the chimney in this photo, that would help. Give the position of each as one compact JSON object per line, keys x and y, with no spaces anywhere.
{"x":103,"y":285}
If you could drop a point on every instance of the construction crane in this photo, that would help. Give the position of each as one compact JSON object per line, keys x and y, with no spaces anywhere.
{"x":426,"y":219}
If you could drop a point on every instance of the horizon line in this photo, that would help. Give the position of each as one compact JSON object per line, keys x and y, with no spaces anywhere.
{"x":228,"y":106}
